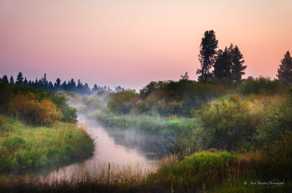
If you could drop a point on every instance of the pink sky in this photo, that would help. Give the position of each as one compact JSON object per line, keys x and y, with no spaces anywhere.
{"x":131,"y":42}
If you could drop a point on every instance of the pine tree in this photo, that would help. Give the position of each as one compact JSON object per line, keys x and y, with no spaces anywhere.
{"x":285,"y":69}
{"x":207,"y":55}
{"x":11,"y":81}
{"x":222,"y":66}
{"x":229,"y":65}
{"x":238,"y":67}
{"x":185,"y":76}
{"x":57,"y":84}
{"x":19,"y":78}
{"x":5,"y":79}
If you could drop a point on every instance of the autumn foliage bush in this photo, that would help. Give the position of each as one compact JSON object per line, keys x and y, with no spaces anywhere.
{"x":31,"y":110}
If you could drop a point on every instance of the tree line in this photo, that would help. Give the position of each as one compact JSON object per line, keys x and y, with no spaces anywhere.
{"x":44,"y":84}
{"x":227,"y":65}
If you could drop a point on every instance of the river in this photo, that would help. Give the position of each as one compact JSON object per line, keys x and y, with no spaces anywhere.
{"x":109,"y":158}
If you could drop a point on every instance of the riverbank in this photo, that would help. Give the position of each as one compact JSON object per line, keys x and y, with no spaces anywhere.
{"x":28,"y":148}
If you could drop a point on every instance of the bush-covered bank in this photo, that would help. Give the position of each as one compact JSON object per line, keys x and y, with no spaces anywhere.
{"x":24,"y":147}
{"x":223,"y":171}
{"x":35,"y":106}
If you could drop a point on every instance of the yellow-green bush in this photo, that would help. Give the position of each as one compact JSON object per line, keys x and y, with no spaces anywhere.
{"x":196,"y":171}
{"x":31,"y":110}
{"x":228,"y":123}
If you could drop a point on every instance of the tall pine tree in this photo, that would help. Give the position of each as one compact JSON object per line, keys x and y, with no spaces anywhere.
{"x":229,"y":65}
{"x":237,"y":67}
{"x":207,"y":55}
{"x":19,"y":78}
{"x":285,"y":69}
{"x":222,"y":67}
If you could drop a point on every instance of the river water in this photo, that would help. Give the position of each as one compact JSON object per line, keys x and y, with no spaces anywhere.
{"x":109,"y":158}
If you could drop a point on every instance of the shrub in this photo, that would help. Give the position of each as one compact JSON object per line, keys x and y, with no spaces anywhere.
{"x":177,"y":97}
{"x":197,"y":170}
{"x":228,"y":123}
{"x":122,"y":102}
{"x":277,"y":158}
{"x":48,"y":112}
{"x":68,"y":113}
{"x":260,"y":86}
{"x":28,"y":108}
{"x":3,"y":126}
{"x":277,"y":122}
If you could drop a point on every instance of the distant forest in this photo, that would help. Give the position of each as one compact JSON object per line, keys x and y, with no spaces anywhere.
{"x":58,"y":85}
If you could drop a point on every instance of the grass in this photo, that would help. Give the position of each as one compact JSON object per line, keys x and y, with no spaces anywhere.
{"x":24,"y":147}
{"x":149,"y":123}
{"x":191,"y":172}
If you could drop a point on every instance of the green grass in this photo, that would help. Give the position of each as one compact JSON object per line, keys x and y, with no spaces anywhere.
{"x":24,"y":147}
{"x":149,"y":123}
{"x":195,"y":172}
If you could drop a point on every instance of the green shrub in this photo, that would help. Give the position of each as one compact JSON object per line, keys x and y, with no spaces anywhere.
{"x":122,"y":102}
{"x":277,"y":122}
{"x":228,"y":123}
{"x":261,"y":86}
{"x":196,"y":171}
{"x":177,"y":97}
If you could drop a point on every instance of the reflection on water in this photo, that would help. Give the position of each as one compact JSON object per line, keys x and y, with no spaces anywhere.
{"x":108,"y":157}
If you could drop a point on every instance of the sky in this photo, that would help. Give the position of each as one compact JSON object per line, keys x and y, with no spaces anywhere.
{"x":132,"y":42}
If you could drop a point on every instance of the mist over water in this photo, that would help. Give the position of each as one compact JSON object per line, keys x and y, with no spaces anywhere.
{"x":108,"y":156}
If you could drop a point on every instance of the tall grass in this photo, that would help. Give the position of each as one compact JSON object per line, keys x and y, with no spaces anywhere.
{"x":108,"y":180}
{"x":149,"y":123}
{"x":196,"y":171}
{"x":24,"y":147}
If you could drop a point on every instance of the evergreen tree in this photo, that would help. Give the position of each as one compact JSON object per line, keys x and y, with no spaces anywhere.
{"x":25,"y":82}
{"x":19,"y":78}
{"x":5,"y":79}
{"x":222,"y":67}
{"x":207,"y":55}
{"x":11,"y":81}
{"x":64,"y":85}
{"x":79,"y":85}
{"x":50,"y":85}
{"x":229,"y":65}
{"x":72,"y":85}
{"x":238,"y":67}
{"x":285,"y":69}
{"x":86,"y":89}
{"x":185,"y":76}
{"x":44,"y":82}
{"x":95,"y":88}
{"x":57,"y":84}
